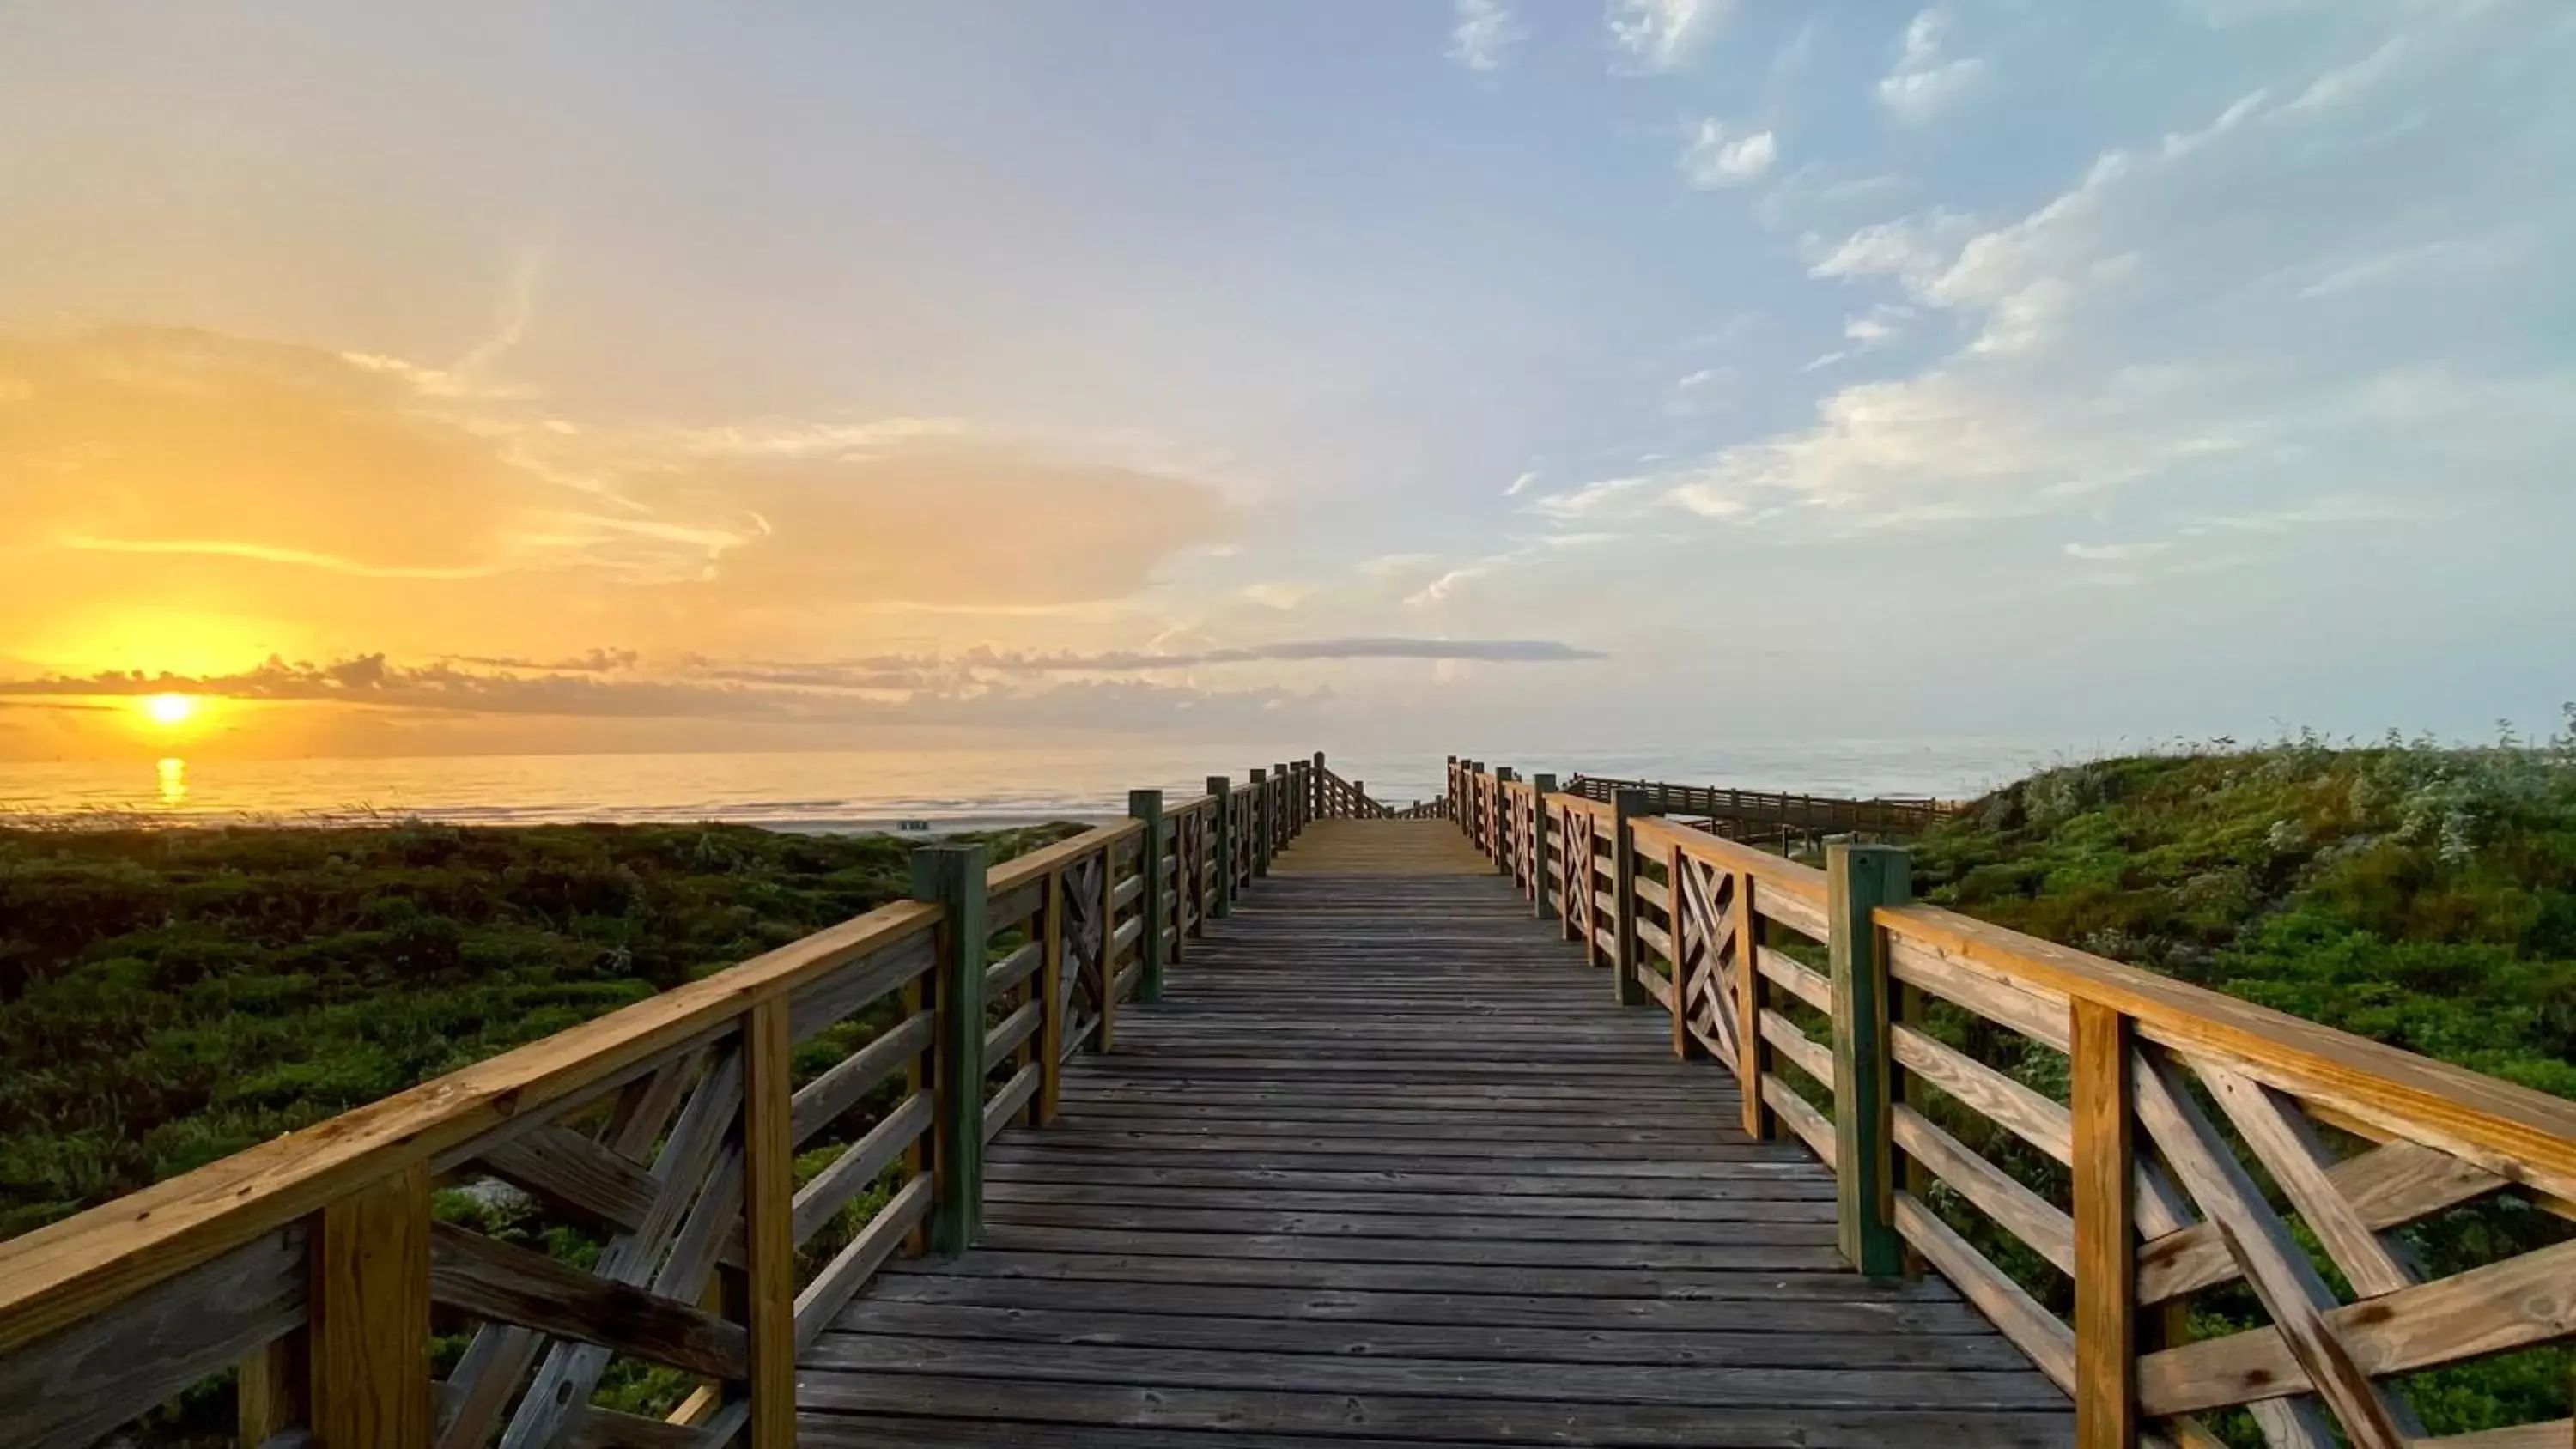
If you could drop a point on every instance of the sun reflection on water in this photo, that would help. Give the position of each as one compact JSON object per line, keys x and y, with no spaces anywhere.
{"x":173,"y":774}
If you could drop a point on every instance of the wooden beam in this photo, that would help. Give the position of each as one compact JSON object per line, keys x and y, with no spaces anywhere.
{"x":1051,"y":992}
{"x":1627,"y":955}
{"x":769,"y":1210}
{"x":2106,"y":1234}
{"x":952,"y":877}
{"x":370,"y":1316}
{"x":1542,"y":785}
{"x":1858,"y":880}
{"x":1156,"y":902}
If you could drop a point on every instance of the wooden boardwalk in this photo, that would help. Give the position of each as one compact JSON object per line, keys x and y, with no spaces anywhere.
{"x":1387,"y":1166}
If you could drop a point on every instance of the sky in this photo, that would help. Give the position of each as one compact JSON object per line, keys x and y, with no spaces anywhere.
{"x":484,"y":377}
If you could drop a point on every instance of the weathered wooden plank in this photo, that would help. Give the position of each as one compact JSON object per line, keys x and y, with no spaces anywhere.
{"x":1010,"y":1031}
{"x":1811,"y":1126}
{"x":2387,"y":1186}
{"x":1987,"y":1092}
{"x":1031,"y":1363}
{"x":857,"y":1169}
{"x":1810,"y":1056}
{"x":496,"y":1280}
{"x":826,"y":1097}
{"x":2492,"y":1309}
{"x":2032,"y":1328}
{"x":2019,"y":1211}
{"x":1010,"y":1101}
{"x":1134,"y":1408}
{"x":2282,"y":1278}
{"x":2034,"y":1012}
{"x":68,"y":1390}
{"x":2279,"y":1135}
{"x":1005,"y":975}
{"x":858,"y":1261}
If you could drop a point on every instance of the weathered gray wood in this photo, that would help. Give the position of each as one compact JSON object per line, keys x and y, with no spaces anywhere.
{"x":855,"y":1170}
{"x":496,"y":1280}
{"x":1011,"y":970}
{"x":2038,"y":1333}
{"x":67,"y":1390}
{"x":1381,"y":1148}
{"x":826,"y":1097}
{"x":859,"y":1260}
{"x":854,"y":986}
{"x":1012,"y":1099}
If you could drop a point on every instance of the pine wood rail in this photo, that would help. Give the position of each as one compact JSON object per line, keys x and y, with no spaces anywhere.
{"x":2201,"y":1133}
{"x":671,"y":1131}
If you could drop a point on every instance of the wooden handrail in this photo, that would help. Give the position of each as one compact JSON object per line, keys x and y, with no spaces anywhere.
{"x":2162,"y":1205}
{"x":117,"y":1308}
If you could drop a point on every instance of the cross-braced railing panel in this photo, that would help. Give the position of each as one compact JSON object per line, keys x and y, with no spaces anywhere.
{"x":2203,"y":1220}
{"x":624,"y":1234}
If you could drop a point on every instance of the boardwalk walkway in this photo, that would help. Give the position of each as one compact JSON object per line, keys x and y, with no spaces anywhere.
{"x":1388,"y":1167}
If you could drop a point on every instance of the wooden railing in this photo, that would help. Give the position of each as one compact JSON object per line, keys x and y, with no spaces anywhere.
{"x":1735,"y":814}
{"x":2183,"y":1141}
{"x":1337,"y":798}
{"x":670,"y":1133}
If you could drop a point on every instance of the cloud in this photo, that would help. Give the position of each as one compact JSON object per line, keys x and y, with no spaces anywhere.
{"x":2116,"y":552}
{"x":1485,"y":34}
{"x":172,"y":492}
{"x":2343,"y":84}
{"x":1662,"y":35}
{"x":2157,"y":323}
{"x":1717,"y":157}
{"x":1880,"y":325}
{"x":1521,"y":484}
{"x":1278,"y":594}
{"x":1924,"y":82}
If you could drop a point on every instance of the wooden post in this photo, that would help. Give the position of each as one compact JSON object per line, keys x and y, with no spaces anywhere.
{"x":952,"y":877}
{"x":1753,"y":1054}
{"x":1280,"y":829}
{"x":1316,"y":805}
{"x":2106,"y":1264}
{"x":1457,"y":816}
{"x":769,"y":1209}
{"x":1051,"y":1023}
{"x":1222,"y":821}
{"x":269,"y":1389}
{"x":1676,"y":929}
{"x":1541,"y":786}
{"x":1108,"y":948}
{"x":1261,"y":793}
{"x":369,"y":1301}
{"x":1858,"y":880}
{"x":1625,"y":988}
{"x":1154,"y":903}
{"x":1502,"y":815}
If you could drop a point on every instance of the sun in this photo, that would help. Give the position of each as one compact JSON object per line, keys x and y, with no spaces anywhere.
{"x":170,"y":710}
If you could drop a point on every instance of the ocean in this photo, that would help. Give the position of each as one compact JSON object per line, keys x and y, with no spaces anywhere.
{"x":871,"y":790}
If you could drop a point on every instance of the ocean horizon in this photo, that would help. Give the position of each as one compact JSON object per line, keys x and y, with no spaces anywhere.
{"x":856,"y":790}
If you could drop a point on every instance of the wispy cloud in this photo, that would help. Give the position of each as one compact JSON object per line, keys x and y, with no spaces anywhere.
{"x":1718,"y":157}
{"x":1662,"y":35}
{"x":2116,"y":552}
{"x":1926,"y":79}
{"x":1521,"y":484}
{"x":1485,"y":34}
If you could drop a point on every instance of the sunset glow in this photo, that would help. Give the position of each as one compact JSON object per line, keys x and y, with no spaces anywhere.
{"x":170,"y":711}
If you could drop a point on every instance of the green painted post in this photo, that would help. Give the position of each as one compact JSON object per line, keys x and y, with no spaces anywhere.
{"x":1221,"y":846}
{"x":952,"y":877}
{"x":1625,"y":806}
{"x":1502,"y":820}
{"x":1261,"y":793}
{"x":1545,"y":785}
{"x":1858,"y":880}
{"x":1315,"y":790}
{"x":1282,"y":828}
{"x":1156,"y":902}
